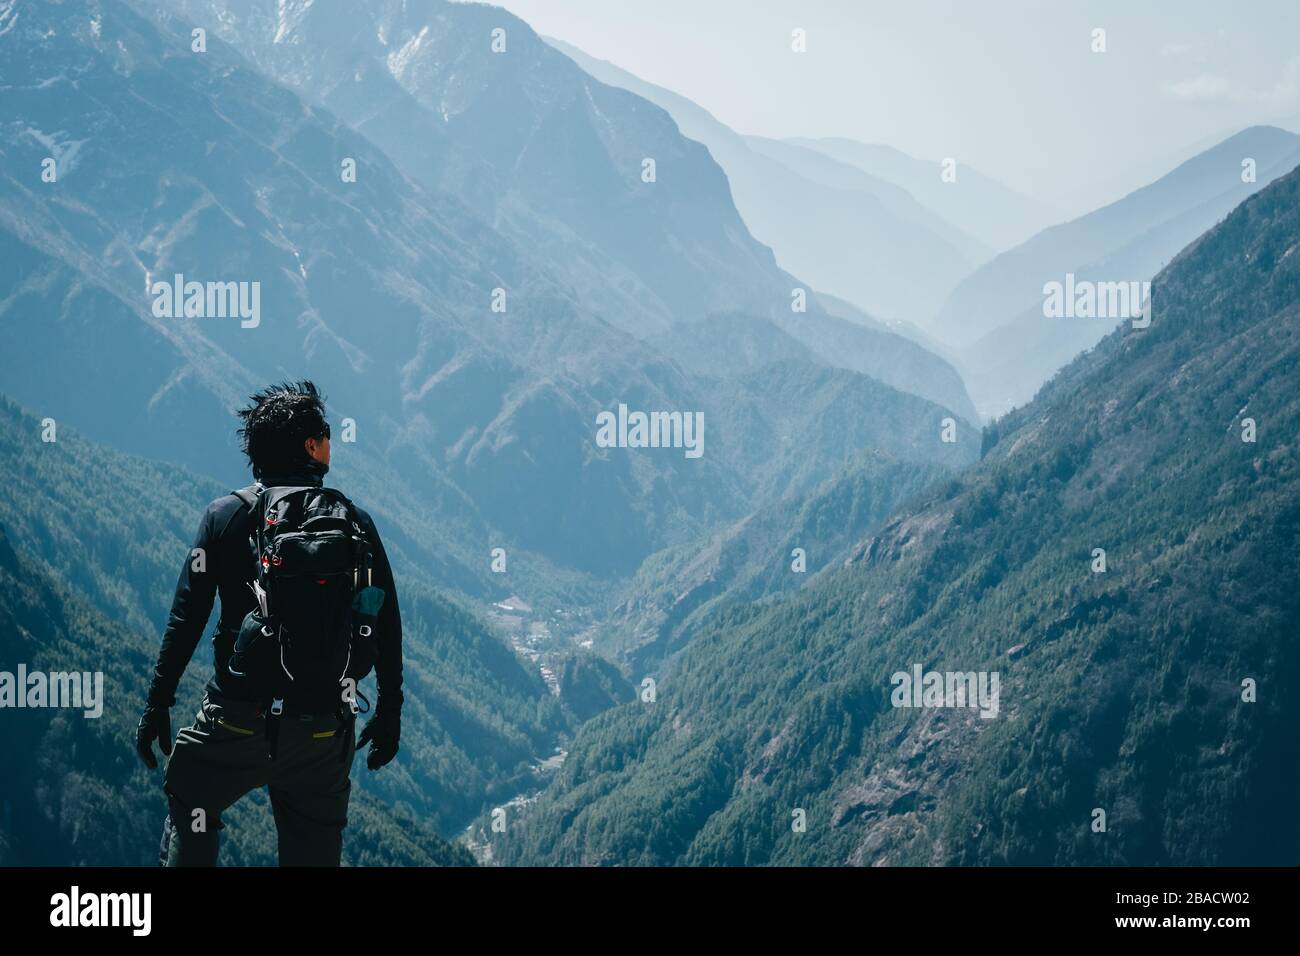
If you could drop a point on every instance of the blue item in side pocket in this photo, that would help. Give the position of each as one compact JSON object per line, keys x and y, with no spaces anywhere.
{"x":365,"y":646}
{"x":368,"y":601}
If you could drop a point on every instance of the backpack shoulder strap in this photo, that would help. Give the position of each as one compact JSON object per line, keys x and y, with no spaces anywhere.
{"x":342,"y":499}
{"x":346,"y":500}
{"x":249,"y":495}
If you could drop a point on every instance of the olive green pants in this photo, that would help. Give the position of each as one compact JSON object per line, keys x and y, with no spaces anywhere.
{"x":234,"y":747}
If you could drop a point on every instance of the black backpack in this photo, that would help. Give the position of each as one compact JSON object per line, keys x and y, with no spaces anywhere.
{"x":305,"y":637}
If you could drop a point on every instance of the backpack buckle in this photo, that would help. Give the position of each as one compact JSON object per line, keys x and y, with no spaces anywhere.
{"x":277,"y":706}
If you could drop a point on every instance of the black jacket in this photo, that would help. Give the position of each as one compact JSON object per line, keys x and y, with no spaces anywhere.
{"x":223,"y":537}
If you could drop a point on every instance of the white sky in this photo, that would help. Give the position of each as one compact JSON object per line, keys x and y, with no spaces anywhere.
{"x":1008,"y":86}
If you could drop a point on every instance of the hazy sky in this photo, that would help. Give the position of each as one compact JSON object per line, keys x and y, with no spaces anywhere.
{"x":1009,"y":86}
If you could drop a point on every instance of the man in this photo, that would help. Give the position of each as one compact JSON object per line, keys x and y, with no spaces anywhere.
{"x":295,"y":736}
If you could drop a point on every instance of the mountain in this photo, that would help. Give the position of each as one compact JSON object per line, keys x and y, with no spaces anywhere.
{"x":995,"y":317}
{"x":530,"y":143}
{"x":246,"y":192}
{"x":992,"y":212}
{"x":848,"y":233}
{"x":789,"y":426}
{"x":675,"y":591}
{"x":1155,"y":691}
{"x":825,"y":498}
{"x":1149,"y":226}
{"x":817,"y":167}
{"x":474,"y":428}
{"x":930,"y":346}
{"x":541,"y":150}
{"x":730,"y":344}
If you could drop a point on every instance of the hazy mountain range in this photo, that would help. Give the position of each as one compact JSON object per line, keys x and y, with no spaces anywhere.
{"x":1154,"y":693}
{"x":382,"y":288}
{"x":497,"y":274}
{"x":552,"y":158}
{"x":853,"y":234}
{"x":474,"y":427}
{"x":1008,"y":348}
{"x":991,"y":211}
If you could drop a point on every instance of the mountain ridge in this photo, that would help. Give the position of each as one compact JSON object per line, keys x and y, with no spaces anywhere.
{"x":1128,"y":691}
{"x":876,"y":246}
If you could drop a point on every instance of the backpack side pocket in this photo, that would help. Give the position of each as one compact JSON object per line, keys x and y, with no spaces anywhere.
{"x":253,"y":659}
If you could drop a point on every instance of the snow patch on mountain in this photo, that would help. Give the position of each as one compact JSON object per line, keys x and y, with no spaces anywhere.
{"x":8,"y":16}
{"x":401,"y":58}
{"x":289,"y":14}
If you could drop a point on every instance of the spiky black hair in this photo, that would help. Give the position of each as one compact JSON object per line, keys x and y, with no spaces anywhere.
{"x":274,"y":427}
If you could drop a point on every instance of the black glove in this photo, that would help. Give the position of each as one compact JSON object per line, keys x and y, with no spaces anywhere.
{"x":155,"y":724}
{"x":382,"y":733}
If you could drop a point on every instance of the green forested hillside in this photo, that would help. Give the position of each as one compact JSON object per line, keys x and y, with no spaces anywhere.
{"x":1121,"y":691}
{"x":678,"y":588}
